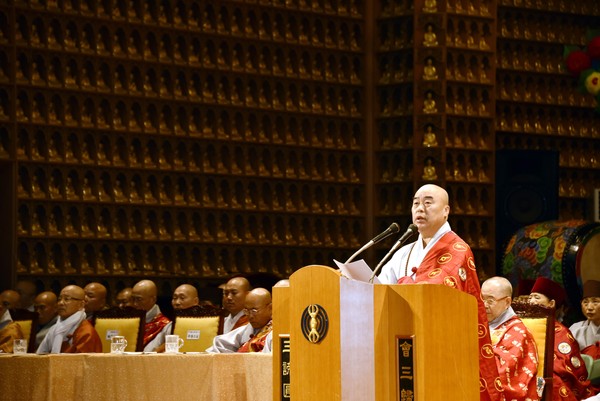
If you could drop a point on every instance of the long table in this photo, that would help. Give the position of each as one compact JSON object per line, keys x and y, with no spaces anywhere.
{"x":108,"y":377}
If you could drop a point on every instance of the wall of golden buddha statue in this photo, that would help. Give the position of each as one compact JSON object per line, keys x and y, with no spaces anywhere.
{"x":202,"y":138}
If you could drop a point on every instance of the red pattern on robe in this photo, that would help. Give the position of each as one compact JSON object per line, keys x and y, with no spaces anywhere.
{"x":153,"y":327}
{"x":451,"y":262}
{"x":84,"y":339}
{"x":570,"y":381}
{"x":242,"y":321}
{"x":516,"y":356}
{"x":257,"y":343}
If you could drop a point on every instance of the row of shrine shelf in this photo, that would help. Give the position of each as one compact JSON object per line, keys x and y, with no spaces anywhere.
{"x":134,"y":78}
{"x":571,"y":122}
{"x":53,"y":258}
{"x":196,"y":156}
{"x":460,"y":167}
{"x":559,"y":6}
{"x":50,"y":108}
{"x":88,"y":146}
{"x":193,"y":191}
{"x":168,"y":44}
{"x":195,"y":13}
{"x":149,"y":224}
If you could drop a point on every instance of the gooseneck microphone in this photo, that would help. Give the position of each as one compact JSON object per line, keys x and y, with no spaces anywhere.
{"x":407,"y":234}
{"x":392,"y":229}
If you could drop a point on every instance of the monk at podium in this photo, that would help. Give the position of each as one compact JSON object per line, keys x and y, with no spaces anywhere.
{"x":440,"y":256}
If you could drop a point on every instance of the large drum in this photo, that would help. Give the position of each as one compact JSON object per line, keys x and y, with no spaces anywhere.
{"x":567,"y":252}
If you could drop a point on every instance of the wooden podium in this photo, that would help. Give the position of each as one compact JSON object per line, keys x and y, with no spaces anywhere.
{"x":340,"y":339}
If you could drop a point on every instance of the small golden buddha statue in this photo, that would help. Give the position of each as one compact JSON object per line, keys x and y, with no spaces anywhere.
{"x":36,"y":226}
{"x":429,"y":172}
{"x":35,"y":265}
{"x":429,"y":71}
{"x":483,"y":8}
{"x":429,"y":38}
{"x":483,"y":45}
{"x":481,"y":174}
{"x":87,"y":190}
{"x":54,"y":188}
{"x":429,"y":106}
{"x":70,"y":227}
{"x":429,"y":138}
{"x":102,"y":229}
{"x":430,"y":6}
{"x":149,"y":196}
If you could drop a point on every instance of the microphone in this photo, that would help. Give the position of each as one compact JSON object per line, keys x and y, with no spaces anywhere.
{"x":407,"y":234}
{"x":392,"y":229}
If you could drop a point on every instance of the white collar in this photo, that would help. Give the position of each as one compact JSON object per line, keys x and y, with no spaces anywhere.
{"x":152,"y":313}
{"x":504,"y":316}
{"x":5,"y":319}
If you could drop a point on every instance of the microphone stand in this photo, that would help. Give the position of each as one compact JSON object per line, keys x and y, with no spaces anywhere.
{"x":392,"y":229}
{"x":412,"y":228}
{"x":355,"y":254}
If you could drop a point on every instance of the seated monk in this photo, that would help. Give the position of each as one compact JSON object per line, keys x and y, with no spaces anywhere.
{"x":587,"y":332}
{"x":9,"y":330}
{"x":46,"y":306}
{"x":95,"y":299}
{"x":185,"y":296}
{"x":569,"y":376}
{"x":72,"y":333}
{"x":514,"y":347}
{"x":123,"y":298}
{"x":234,"y":294}
{"x":256,"y":336}
{"x":143,"y":297}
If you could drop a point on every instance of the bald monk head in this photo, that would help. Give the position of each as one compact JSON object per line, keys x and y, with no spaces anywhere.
{"x":258,"y":307}
{"x":123,"y":298}
{"x":143,"y":295}
{"x":46,"y":306}
{"x":184,"y":296}
{"x":430,"y":210}
{"x":234,"y":294}
{"x":10,"y":299}
{"x":70,"y":300}
{"x":496,"y":293}
{"x":95,"y":297}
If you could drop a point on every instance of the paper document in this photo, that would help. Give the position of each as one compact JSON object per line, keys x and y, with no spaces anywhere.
{"x":358,"y":270}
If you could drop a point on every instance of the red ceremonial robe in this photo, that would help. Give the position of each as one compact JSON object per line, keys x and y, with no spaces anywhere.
{"x":84,"y":339}
{"x":592,"y":350}
{"x":570,"y":381}
{"x":153,"y":327}
{"x":450,"y":262}
{"x":257,"y":342}
{"x":517,"y":360}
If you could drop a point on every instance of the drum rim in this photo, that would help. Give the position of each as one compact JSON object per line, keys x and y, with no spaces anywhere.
{"x":569,"y":276}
